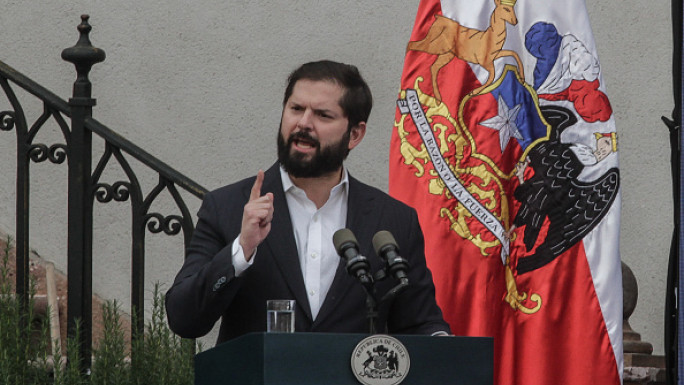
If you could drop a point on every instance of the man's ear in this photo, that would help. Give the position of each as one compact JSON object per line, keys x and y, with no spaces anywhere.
{"x":356,"y":134}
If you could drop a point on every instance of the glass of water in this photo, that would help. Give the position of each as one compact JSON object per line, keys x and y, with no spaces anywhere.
{"x":280,"y":317}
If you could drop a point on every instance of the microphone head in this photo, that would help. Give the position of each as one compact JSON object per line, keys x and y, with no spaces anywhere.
{"x":342,"y":238}
{"x":383,"y":238}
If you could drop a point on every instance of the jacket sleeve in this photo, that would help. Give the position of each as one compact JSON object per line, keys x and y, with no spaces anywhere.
{"x":415,"y":310}
{"x":206,"y":284}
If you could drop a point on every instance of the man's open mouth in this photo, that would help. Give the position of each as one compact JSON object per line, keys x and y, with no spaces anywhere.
{"x":303,"y":141}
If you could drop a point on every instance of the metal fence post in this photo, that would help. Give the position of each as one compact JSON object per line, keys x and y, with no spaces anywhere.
{"x":80,"y":212}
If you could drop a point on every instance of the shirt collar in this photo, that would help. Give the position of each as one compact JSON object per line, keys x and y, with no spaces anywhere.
{"x":288,"y":186}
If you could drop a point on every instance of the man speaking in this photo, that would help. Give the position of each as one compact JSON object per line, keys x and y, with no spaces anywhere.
{"x":271,"y":236}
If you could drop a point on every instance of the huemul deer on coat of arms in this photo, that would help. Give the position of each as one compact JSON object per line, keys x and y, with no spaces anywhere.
{"x":448,"y":39}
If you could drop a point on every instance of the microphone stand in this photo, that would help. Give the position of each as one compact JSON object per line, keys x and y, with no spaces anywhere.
{"x":368,"y":284}
{"x":371,"y":306}
{"x":366,"y":280}
{"x":403,"y":284}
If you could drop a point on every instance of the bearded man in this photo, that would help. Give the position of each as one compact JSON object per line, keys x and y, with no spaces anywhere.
{"x":270,"y":236}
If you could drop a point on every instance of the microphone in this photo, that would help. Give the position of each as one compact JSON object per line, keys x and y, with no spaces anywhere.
{"x":386,"y":247}
{"x":347,"y":247}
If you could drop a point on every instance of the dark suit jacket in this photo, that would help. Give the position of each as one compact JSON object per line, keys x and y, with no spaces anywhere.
{"x":206,"y":288}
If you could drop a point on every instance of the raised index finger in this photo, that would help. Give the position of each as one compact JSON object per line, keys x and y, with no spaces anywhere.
{"x":256,"y":189}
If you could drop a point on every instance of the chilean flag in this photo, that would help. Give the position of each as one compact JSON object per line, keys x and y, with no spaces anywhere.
{"x":504,"y":141}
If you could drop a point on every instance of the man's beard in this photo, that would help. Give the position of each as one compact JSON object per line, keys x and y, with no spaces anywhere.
{"x":324,"y":160}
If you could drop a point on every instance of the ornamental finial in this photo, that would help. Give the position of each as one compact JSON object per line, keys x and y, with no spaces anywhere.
{"x":83,"y":55}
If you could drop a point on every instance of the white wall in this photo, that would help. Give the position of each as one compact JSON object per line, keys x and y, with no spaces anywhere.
{"x":199,"y":85}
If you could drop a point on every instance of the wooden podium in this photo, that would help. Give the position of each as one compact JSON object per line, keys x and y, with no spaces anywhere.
{"x":326,"y":359}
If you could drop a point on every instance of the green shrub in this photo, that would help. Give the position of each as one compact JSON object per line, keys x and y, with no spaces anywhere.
{"x":109,"y":359}
{"x":161,"y":357}
{"x":70,"y":374}
{"x":23,"y":343}
{"x":158,"y":357}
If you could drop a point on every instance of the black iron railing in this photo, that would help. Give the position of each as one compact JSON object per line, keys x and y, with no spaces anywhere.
{"x":85,"y":185}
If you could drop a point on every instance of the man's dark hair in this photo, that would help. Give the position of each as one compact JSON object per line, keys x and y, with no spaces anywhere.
{"x":357,"y":100}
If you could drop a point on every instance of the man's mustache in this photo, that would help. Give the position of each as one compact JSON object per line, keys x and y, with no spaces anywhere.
{"x":303,"y":136}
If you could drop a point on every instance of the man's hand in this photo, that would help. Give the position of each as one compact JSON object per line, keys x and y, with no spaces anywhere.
{"x":256,"y":218}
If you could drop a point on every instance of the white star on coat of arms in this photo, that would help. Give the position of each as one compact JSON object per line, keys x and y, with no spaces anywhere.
{"x":505,"y":123}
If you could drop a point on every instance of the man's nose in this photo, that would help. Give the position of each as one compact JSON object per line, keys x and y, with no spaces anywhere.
{"x":306,"y":121}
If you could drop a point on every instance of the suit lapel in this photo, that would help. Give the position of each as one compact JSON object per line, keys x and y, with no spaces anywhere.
{"x":281,"y":240}
{"x":361,"y":221}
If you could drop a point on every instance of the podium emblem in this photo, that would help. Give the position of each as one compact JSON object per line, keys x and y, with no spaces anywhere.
{"x":380,"y":360}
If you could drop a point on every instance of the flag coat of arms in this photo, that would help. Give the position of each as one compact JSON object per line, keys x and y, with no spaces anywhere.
{"x":504,"y":141}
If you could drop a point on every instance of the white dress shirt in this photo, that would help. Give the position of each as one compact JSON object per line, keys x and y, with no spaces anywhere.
{"x":313,"y":231}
